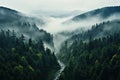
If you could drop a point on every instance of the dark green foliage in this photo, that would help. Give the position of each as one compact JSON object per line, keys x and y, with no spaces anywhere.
{"x":14,"y":20}
{"x":98,"y":30}
{"x":22,"y":59}
{"x":98,"y":59}
{"x":102,"y":12}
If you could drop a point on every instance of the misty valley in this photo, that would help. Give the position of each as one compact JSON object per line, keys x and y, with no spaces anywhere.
{"x":60,"y":46}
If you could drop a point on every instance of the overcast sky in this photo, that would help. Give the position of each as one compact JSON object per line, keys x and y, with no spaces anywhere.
{"x":84,"y":5}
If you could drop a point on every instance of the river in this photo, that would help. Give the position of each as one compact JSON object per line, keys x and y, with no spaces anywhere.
{"x":58,"y":73}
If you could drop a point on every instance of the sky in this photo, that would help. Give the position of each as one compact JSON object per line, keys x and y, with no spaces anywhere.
{"x":32,"y":5}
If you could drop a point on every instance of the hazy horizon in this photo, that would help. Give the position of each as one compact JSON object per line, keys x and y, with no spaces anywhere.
{"x":27,"y":6}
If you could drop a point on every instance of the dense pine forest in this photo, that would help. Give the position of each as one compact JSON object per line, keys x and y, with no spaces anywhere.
{"x":59,"y":45}
{"x":25,"y":59}
{"x":98,"y":59}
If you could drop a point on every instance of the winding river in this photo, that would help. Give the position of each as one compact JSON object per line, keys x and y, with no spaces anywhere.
{"x":58,"y":73}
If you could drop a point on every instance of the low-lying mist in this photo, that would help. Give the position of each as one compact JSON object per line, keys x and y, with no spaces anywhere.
{"x":56,"y":26}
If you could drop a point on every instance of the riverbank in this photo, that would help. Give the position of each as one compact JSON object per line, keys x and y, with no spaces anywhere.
{"x":58,"y":73}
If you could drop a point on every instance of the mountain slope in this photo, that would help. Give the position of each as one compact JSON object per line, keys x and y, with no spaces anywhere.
{"x":22,"y":24}
{"x":22,"y":59}
{"x":85,"y":21}
{"x":97,"y":31}
{"x":102,"y":13}
{"x":98,"y":59}
{"x":8,"y":15}
{"x":93,"y":54}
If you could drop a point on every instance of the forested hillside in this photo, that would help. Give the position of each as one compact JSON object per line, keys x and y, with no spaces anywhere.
{"x":102,"y":13}
{"x":96,"y":31}
{"x":87,"y":45}
{"x":24,"y":24}
{"x":22,"y":59}
{"x":98,"y":59}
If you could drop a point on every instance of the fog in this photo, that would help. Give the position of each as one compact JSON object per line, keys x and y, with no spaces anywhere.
{"x":56,"y":26}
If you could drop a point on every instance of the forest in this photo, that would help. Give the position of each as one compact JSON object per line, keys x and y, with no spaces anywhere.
{"x":97,"y":59}
{"x":25,"y":59}
{"x":48,"y":44}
